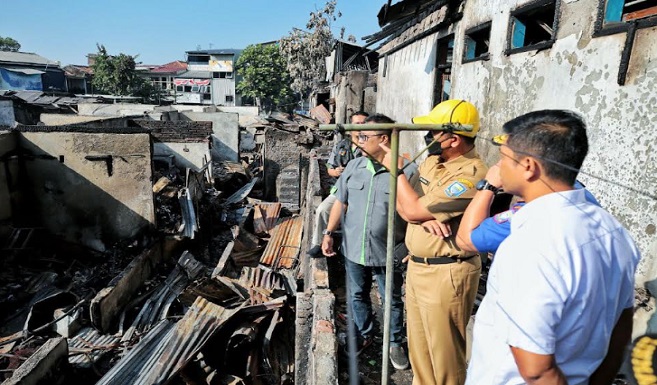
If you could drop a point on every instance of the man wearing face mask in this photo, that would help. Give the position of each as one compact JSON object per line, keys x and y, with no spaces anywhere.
{"x":442,"y":279}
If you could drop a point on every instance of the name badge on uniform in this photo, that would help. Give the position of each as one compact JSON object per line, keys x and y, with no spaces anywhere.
{"x":455,"y":189}
{"x":424,"y":181}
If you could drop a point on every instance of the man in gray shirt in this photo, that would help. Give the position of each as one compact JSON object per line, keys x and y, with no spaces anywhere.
{"x":362,"y":198}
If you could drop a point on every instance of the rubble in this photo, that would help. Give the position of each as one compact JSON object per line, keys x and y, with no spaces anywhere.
{"x":205,"y":297}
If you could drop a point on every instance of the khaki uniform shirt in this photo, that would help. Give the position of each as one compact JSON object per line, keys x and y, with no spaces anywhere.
{"x":445,"y":189}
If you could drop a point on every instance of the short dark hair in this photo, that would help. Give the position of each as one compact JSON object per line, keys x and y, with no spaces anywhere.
{"x":557,"y":138}
{"x":379,"y":118}
{"x":358,"y":113}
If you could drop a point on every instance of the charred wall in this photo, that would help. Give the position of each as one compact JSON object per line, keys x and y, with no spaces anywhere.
{"x":284,"y":165}
{"x":91,"y":188}
{"x":8,"y":173}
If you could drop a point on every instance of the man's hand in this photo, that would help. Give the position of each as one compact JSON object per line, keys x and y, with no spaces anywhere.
{"x":327,"y":246}
{"x":387,"y":161}
{"x":335,"y":172}
{"x":493,"y":175}
{"x":440,"y":229}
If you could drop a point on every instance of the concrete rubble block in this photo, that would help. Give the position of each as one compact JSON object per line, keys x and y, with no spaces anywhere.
{"x":323,"y":344}
{"x":69,"y":324}
{"x":44,"y":366}
{"x":110,"y":301}
{"x":304,"y":317}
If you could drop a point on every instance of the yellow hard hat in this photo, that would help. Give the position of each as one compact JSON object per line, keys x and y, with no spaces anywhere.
{"x":453,"y":111}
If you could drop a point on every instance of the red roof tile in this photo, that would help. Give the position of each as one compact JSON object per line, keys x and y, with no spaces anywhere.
{"x":174,"y":66}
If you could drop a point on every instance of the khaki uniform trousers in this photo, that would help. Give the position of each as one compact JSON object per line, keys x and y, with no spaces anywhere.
{"x":439,"y":301}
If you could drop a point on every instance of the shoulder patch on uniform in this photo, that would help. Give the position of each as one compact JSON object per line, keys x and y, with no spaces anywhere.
{"x":503,"y":216}
{"x":343,"y":152}
{"x":455,"y":189}
{"x":466,"y":183}
{"x":423,"y":181}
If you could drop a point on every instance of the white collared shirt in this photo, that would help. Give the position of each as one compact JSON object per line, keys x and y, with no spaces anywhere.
{"x":558,"y":285}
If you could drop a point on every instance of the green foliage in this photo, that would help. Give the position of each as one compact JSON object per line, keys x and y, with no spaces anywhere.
{"x":9,"y":44}
{"x":306,"y":50}
{"x":265,"y":77}
{"x":116,"y":75}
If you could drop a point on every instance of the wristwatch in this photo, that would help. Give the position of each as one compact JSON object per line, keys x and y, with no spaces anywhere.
{"x":327,"y":232}
{"x":484,"y":185}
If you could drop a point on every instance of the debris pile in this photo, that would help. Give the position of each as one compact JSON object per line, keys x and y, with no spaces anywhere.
{"x":206,"y":298}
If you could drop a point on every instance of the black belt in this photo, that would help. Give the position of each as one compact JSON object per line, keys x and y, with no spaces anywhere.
{"x":439,"y":260}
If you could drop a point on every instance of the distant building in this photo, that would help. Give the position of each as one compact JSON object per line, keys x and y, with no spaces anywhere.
{"x":78,"y":79}
{"x":29,"y":71}
{"x":209,"y":79}
{"x":162,"y":77}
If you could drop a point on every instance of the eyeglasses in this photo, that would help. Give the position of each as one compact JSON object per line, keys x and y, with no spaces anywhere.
{"x":365,"y":138}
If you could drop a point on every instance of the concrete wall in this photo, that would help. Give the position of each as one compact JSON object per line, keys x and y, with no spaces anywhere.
{"x":116,"y":109}
{"x":76,"y":197}
{"x":186,"y":155}
{"x":225,"y":132}
{"x":7,"y":117}
{"x":8,"y":143}
{"x":578,"y":72}
{"x":349,"y":94}
{"x":88,"y":120}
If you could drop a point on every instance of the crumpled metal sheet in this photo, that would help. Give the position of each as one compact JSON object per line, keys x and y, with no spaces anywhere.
{"x":140,"y":357}
{"x":89,"y":346}
{"x":265,"y":216}
{"x":189,"y":335}
{"x":190,"y":222}
{"x":157,"y":306}
{"x":282,"y":251}
{"x":242,"y":193}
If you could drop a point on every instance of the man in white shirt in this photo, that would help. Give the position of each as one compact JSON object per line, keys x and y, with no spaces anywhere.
{"x":558,"y":307}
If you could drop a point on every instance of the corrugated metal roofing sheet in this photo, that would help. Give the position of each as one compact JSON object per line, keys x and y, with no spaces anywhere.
{"x":25,"y":57}
{"x":265,"y":216}
{"x":190,"y":334}
{"x":282,"y":251}
{"x":89,"y":346}
{"x":137,"y":360}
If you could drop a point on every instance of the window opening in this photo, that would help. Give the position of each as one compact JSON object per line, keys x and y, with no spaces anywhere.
{"x":533,"y":26}
{"x":628,"y":10}
{"x":442,"y":83}
{"x":477,"y":42}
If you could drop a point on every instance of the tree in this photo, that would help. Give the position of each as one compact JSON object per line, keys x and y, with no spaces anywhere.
{"x":265,"y":77}
{"x":116,"y":75}
{"x":9,"y":44}
{"x":306,"y":50}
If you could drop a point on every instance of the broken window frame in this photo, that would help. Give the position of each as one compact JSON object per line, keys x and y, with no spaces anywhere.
{"x":443,"y":68}
{"x":528,"y":9}
{"x":605,"y":28}
{"x":467,"y":36}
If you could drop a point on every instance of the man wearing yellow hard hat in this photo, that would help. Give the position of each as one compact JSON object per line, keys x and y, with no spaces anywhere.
{"x":442,"y":279}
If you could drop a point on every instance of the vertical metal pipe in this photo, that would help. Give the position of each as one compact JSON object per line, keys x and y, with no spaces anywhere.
{"x":390,"y":249}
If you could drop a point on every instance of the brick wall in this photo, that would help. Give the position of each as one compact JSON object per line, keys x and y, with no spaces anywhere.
{"x":176,"y":131}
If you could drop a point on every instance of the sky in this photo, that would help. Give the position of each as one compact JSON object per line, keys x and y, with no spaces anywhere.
{"x":160,"y":31}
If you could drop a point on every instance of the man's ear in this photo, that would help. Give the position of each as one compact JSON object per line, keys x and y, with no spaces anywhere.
{"x":532,"y":169}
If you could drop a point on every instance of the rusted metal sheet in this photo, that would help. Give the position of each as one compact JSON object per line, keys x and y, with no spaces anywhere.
{"x":321,"y":113}
{"x":190,"y":334}
{"x":89,"y":346}
{"x":265,"y":216}
{"x":261,"y":283}
{"x":282,"y":251}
